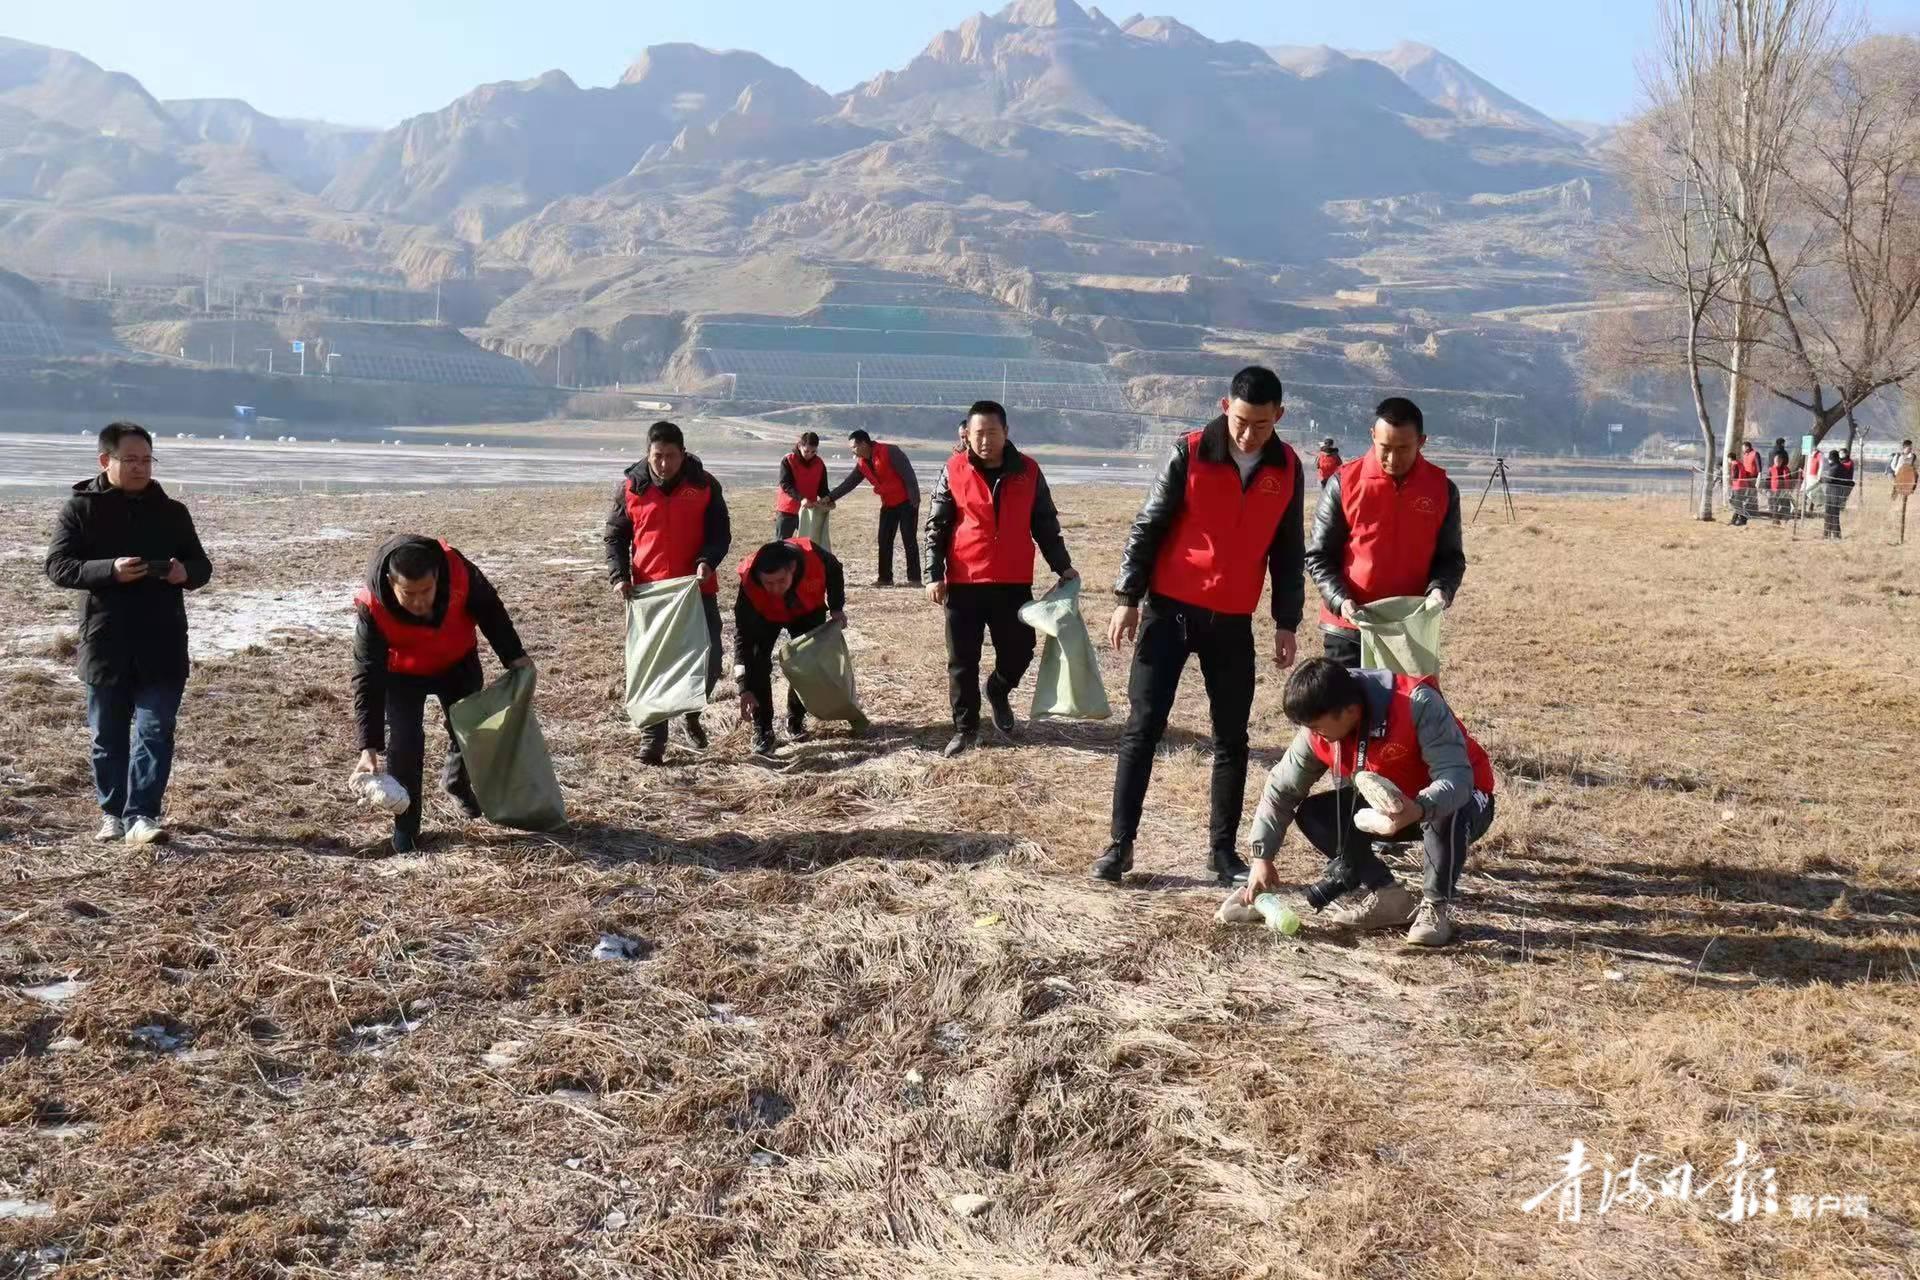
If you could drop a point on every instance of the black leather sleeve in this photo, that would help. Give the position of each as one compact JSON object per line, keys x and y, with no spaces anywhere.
{"x":1164,"y":501}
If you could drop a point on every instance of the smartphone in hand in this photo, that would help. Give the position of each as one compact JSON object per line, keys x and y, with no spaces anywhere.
{"x":159,"y":569}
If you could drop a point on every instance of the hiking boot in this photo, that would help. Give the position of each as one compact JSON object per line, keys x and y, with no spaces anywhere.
{"x":797,"y":730}
{"x":960,"y":743}
{"x":655,"y":752}
{"x":1432,"y":925}
{"x":145,"y":831}
{"x":1114,"y":863}
{"x":405,"y":841}
{"x":1387,"y":907}
{"x":881,"y":582}
{"x":1002,"y":706}
{"x":696,"y":732}
{"x":111,"y":828}
{"x":764,"y":743}
{"x":1229,"y":868}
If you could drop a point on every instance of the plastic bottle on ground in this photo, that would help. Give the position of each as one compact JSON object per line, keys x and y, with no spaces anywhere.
{"x":1278,"y":915}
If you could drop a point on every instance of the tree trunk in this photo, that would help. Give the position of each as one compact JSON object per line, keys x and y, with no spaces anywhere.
{"x":1711,"y":455}
{"x":1737,"y":385}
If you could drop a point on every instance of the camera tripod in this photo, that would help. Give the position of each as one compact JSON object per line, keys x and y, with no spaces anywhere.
{"x":1500,"y":474}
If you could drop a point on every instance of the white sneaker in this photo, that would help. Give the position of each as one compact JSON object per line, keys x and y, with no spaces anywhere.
{"x":145,"y":831}
{"x":1432,"y":926}
{"x":111,"y":828}
{"x":1387,"y":907}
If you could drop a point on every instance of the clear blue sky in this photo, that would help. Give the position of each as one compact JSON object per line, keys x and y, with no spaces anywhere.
{"x":379,"y":61}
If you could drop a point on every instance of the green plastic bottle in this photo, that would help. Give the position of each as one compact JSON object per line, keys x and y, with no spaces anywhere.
{"x":1278,"y":915}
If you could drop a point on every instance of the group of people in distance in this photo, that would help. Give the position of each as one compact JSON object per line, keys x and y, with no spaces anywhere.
{"x":1829,"y":481}
{"x":1225,"y":514}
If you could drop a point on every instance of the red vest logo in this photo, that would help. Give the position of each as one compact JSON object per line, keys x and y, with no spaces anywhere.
{"x":1270,"y":483}
{"x":1426,"y":506}
{"x":1392,"y":753}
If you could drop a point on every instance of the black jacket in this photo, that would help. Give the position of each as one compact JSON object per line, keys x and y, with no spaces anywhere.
{"x":1327,"y":552}
{"x":129,"y":631}
{"x":1285,"y":554}
{"x":902,"y":467}
{"x":789,"y":487}
{"x":943,"y":515}
{"x":744,"y":612}
{"x":370,"y":647}
{"x":715,"y":537}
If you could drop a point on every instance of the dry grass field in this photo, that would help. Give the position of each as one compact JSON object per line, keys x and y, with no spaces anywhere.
{"x":873,"y":980}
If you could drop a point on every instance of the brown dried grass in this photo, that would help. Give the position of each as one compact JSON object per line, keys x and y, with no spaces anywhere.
{"x":1140,"y":1092}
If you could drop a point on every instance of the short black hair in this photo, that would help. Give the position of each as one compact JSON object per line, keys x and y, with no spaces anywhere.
{"x":114,"y":432}
{"x":810,"y":437}
{"x":413,"y":561}
{"x":859,"y":436}
{"x":666,"y":433}
{"x":1320,"y":687}
{"x":1398,"y":411}
{"x":987,"y":409}
{"x":775,"y":556}
{"x":1257,"y":385}
{"x":1328,"y":446}
{"x":1906,"y":444}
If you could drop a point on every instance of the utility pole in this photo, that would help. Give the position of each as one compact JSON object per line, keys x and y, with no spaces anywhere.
{"x":1003,"y":383}
{"x":436,"y":302}
{"x":856,"y":382}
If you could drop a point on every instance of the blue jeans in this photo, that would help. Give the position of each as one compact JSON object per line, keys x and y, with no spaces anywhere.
{"x":132,"y":745}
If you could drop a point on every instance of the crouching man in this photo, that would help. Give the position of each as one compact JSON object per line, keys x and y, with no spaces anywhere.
{"x":790,"y":586}
{"x":1399,"y":730}
{"x":420,"y":614}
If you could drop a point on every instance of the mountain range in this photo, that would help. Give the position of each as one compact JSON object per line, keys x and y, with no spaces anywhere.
{"x":1131,"y":195}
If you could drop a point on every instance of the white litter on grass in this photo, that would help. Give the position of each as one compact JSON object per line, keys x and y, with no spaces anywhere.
{"x":25,"y":1209}
{"x":726,"y":1017}
{"x":971,"y":1206}
{"x":1614,"y":975}
{"x":223,"y":623}
{"x":503,"y":1053}
{"x":615,"y":1220}
{"x":614,"y":947}
{"x":157,"y":1038}
{"x":64,"y":1132}
{"x":55,"y":992}
{"x":385,"y":1030}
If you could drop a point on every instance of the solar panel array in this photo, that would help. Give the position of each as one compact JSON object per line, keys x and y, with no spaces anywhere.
{"x":23,"y":334}
{"x":945,"y":381}
{"x":443,"y":368}
{"x":942,"y":319}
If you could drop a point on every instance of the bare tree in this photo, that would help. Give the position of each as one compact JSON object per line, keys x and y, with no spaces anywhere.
{"x":1841,"y":275}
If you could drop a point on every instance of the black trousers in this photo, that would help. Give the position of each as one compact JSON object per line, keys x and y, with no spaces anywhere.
{"x":1341,"y":646}
{"x":1170,"y":633}
{"x":407,"y":737}
{"x":1833,"y":510}
{"x":1326,"y":820}
{"x":973,"y":610}
{"x":754,"y":640}
{"x":711,"y":606}
{"x":903,"y":520}
{"x":784,"y":525}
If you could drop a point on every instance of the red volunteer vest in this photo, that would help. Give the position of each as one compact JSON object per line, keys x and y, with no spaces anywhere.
{"x":1326,"y":464}
{"x":1746,"y":471}
{"x":989,"y":545}
{"x":1395,"y":754}
{"x":1391,"y":531}
{"x":1777,"y":477}
{"x":1215,"y":555}
{"x":886,"y":482}
{"x":668,"y":529}
{"x":809,"y":587}
{"x":808,"y":477}
{"x":416,"y":648}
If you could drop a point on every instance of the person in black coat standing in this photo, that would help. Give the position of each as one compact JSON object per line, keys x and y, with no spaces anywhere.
{"x":134,"y":552}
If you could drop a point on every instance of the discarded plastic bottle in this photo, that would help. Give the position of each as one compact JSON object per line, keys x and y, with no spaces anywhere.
{"x":1278,"y":915}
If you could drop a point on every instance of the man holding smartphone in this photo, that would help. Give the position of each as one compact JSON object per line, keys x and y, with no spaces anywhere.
{"x":134,"y":552}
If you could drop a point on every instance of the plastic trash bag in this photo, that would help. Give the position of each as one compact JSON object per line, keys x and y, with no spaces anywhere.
{"x":506,"y":754}
{"x":666,"y":651}
{"x":380,"y":791}
{"x":1068,"y":685}
{"x":813,"y":525}
{"x":819,"y":668}
{"x":1401,"y":634}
